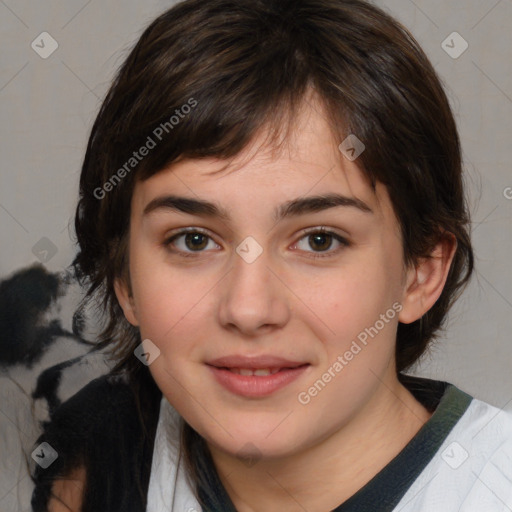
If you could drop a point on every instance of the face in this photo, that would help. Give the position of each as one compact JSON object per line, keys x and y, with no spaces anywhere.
{"x":268,"y":278}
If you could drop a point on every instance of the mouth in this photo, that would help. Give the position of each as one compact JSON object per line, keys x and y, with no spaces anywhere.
{"x":261,"y":362}
{"x":258,"y":372}
{"x":255,"y":377}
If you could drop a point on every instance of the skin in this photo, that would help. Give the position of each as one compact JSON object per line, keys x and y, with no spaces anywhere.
{"x":67,"y":493}
{"x":286,"y":303}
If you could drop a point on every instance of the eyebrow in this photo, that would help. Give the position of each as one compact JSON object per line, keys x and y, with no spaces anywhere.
{"x":293,"y":208}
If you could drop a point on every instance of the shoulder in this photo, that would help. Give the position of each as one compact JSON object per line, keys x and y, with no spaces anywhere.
{"x":488,"y":437}
{"x":103,"y":436}
{"x":485,"y":433}
{"x":472,"y":470}
{"x":489,"y":420}
{"x":67,"y":493}
{"x":99,"y":406}
{"x":478,"y":458}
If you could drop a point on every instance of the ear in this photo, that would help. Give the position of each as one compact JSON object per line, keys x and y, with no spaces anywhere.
{"x":425,"y":282}
{"x":126,"y":301}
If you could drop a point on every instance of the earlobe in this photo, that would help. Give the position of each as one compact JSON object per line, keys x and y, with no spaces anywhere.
{"x":425,"y":282}
{"x":126,"y":301}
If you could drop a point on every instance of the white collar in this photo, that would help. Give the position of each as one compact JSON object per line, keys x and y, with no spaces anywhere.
{"x":169,"y":489}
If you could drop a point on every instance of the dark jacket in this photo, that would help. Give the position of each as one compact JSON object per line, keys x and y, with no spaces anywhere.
{"x":109,"y":428}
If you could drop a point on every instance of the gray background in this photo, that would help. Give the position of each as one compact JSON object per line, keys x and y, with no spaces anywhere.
{"x":47,"y":107}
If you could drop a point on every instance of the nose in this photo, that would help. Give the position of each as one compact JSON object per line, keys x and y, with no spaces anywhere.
{"x":254,"y":300}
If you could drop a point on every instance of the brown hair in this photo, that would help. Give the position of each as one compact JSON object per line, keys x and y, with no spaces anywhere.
{"x":247,"y":65}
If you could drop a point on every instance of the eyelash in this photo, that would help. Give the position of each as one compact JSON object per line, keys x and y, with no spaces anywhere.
{"x":313,"y":231}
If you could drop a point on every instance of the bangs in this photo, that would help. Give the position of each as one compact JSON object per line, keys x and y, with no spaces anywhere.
{"x":217,"y":115}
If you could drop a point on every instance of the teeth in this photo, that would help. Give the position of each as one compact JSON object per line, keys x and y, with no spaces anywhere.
{"x":260,"y":372}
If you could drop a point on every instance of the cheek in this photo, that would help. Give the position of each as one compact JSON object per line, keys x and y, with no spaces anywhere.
{"x":352,"y":301}
{"x":358,"y":320}
{"x":166,"y":297}
{"x":359,"y":346}
{"x":168,"y":311}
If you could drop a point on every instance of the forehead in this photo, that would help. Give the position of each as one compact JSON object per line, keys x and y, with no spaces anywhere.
{"x":307,"y":162}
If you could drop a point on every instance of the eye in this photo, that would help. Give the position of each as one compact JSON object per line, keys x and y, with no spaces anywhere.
{"x":321,"y":240}
{"x":189,"y":241}
{"x":194,"y":240}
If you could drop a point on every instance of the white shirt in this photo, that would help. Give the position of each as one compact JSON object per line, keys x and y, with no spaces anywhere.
{"x":169,"y":489}
{"x":471,"y":471}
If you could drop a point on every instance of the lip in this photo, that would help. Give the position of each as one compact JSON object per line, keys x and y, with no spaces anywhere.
{"x":254,"y":386}
{"x":254,"y":362}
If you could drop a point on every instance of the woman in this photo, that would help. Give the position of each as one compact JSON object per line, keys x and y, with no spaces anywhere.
{"x":272,"y":213}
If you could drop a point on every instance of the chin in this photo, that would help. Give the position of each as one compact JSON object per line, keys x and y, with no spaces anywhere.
{"x":255,"y":441}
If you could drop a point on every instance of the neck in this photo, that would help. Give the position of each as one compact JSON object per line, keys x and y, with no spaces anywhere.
{"x":326,"y":474}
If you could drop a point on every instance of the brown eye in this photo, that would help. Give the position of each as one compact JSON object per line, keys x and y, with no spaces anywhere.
{"x":196,"y":241}
{"x":320,"y":241}
{"x":190,"y":241}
